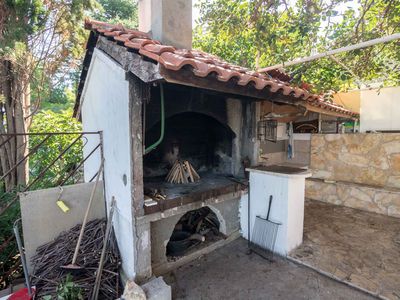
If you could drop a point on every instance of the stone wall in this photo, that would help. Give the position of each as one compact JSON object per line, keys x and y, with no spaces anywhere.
{"x":377,"y":200}
{"x":367,"y":158}
{"x":361,"y":171}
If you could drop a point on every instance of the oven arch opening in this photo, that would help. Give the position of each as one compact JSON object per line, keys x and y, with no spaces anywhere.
{"x":194,"y":230}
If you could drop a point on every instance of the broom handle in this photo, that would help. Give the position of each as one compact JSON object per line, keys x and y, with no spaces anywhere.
{"x":106,"y":239}
{"x":78,"y":244}
{"x":269,"y":206}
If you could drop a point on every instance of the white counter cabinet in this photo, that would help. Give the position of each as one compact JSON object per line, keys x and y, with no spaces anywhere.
{"x":286,"y":185}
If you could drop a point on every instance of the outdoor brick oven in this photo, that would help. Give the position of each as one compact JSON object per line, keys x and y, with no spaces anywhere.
{"x":211,"y":109}
{"x":205,"y":129}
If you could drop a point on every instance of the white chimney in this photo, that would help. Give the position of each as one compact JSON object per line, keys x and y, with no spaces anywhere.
{"x":169,"y":21}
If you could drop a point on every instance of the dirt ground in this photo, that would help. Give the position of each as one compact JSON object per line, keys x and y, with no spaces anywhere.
{"x":229,"y":273}
{"x":359,"y":247}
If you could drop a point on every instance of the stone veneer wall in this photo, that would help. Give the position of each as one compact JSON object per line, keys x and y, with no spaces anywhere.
{"x":377,"y":200}
{"x":365,"y":158}
{"x":356,"y":170}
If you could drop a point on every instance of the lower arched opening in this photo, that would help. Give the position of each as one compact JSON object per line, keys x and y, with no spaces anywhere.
{"x":194,"y":230}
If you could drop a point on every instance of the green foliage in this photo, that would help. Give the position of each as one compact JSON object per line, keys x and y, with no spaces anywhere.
{"x":68,"y":290}
{"x":118,"y":11}
{"x":44,"y":41}
{"x":8,"y":257}
{"x":260,"y":33}
{"x":48,"y":121}
{"x":32,"y":23}
{"x":7,"y":220}
{"x":53,"y":95}
{"x":22,"y":19}
{"x":57,"y":98}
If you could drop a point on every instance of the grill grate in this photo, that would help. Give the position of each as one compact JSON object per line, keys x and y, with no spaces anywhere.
{"x":263,"y":238}
{"x":267,"y":130}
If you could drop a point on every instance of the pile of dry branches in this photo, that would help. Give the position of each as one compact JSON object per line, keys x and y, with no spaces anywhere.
{"x":49,"y":258}
{"x":182,"y":172}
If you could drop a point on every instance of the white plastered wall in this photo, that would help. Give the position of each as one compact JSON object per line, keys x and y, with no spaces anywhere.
{"x":105,"y":107}
{"x":380,"y":109}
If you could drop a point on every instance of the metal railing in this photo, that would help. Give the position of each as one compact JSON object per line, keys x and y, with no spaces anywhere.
{"x":48,"y":159}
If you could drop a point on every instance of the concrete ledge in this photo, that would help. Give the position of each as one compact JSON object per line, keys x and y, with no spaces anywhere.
{"x":355,"y":184}
{"x":188,"y":207}
{"x":169,"y":266}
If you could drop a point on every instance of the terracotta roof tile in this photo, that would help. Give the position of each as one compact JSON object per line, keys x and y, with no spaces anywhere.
{"x":149,"y":54}
{"x":123,"y":37}
{"x":184,"y":53}
{"x":203,"y":64}
{"x":175,"y":62}
{"x":158,"y":48}
{"x":279,"y":75}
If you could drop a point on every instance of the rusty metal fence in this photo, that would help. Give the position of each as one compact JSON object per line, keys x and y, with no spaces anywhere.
{"x":35,"y":161}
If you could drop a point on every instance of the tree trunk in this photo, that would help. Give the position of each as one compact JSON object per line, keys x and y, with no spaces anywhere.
{"x":21,"y":94}
{"x":14,"y":91}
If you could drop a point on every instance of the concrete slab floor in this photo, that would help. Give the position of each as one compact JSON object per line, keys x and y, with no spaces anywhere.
{"x":229,"y":273}
{"x":355,"y":246}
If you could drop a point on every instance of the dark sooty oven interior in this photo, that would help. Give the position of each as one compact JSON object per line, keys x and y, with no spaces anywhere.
{"x":202,"y":140}
{"x":195,"y":229}
{"x":197,"y":130}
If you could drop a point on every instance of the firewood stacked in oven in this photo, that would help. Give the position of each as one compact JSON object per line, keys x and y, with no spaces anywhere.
{"x":182,"y":172}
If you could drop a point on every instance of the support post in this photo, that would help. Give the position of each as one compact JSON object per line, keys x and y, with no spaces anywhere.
{"x":319,"y":123}
{"x":249,"y":145}
{"x":136,"y":92}
{"x":139,"y":93}
{"x":143,"y":268}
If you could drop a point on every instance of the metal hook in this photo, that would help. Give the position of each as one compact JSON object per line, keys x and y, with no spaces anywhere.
{"x":86,"y":141}
{"x":61,"y":191}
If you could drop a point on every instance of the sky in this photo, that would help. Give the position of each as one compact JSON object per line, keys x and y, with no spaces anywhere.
{"x":195,"y":12}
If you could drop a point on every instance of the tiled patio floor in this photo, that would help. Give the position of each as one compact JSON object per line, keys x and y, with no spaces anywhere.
{"x":359,"y":247}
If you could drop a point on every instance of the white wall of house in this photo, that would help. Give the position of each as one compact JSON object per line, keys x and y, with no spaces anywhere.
{"x":380,"y":109}
{"x":105,"y":107}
